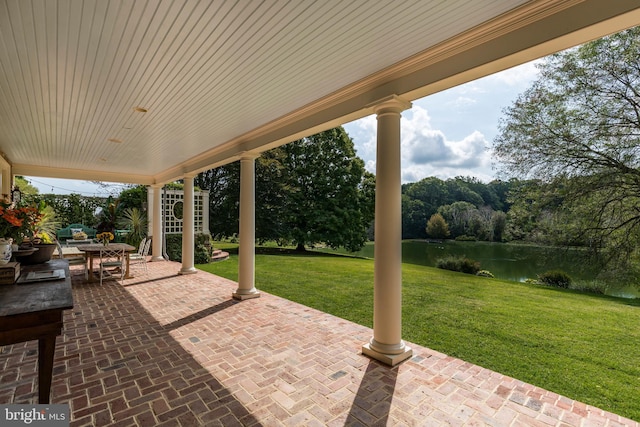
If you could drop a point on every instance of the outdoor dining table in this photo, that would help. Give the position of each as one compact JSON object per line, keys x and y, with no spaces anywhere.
{"x":93,"y":250}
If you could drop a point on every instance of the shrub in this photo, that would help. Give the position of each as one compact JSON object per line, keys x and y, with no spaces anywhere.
{"x":465,"y":238}
{"x":592,"y":286}
{"x":557,"y":278}
{"x":458,"y":263}
{"x":174,"y":246}
{"x":485,"y":273}
{"x":202,"y":249}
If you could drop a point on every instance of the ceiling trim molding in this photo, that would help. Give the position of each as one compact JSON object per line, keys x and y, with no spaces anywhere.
{"x":50,"y":172}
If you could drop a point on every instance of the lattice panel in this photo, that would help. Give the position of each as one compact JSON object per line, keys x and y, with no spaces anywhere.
{"x":173,"y":209}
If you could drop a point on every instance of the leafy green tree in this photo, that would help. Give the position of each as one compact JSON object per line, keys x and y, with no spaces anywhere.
{"x":458,"y":191}
{"x":498,"y":225}
{"x":431,"y":191}
{"x":324,"y":202}
{"x":502,"y":190}
{"x":308,"y":191}
{"x":437,"y":227}
{"x":134,"y":197}
{"x":413,"y":218}
{"x":459,"y":217}
{"x":70,"y":208}
{"x":108,"y":215}
{"x":223,"y":184}
{"x":271,"y":192}
{"x":577,"y":128}
{"x":25,"y":187}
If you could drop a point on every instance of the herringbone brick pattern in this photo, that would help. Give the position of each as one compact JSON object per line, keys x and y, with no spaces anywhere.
{"x":170,"y":350}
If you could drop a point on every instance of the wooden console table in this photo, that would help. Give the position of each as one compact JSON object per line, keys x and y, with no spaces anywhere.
{"x":33,"y":311}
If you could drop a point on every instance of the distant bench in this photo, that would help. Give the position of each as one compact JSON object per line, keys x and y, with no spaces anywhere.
{"x":67,"y":233}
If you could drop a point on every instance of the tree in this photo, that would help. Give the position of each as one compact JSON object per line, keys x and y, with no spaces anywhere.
{"x":134,"y":197}
{"x":431,"y":191}
{"x":223,"y":184}
{"x":437,"y":227}
{"x":70,"y":208}
{"x":272,"y":192}
{"x":578,"y":129}
{"x":458,"y":215}
{"x":325,"y":202}
{"x":24,"y":186}
{"x":308,"y":191}
{"x":459,"y":190}
{"x":413,"y":218}
{"x":498,"y":225}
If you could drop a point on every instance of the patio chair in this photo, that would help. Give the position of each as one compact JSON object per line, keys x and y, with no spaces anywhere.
{"x":141,"y":246}
{"x":140,"y":257}
{"x":74,"y":260}
{"x":111,"y":262}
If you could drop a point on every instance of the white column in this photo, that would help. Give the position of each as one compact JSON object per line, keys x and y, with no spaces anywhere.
{"x":387,"y":345}
{"x":188,"y":227}
{"x":156,"y":232}
{"x":247,"y":250}
{"x":149,"y":211}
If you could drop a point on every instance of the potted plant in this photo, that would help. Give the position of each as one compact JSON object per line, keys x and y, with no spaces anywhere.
{"x":43,"y":232}
{"x":16,"y":224}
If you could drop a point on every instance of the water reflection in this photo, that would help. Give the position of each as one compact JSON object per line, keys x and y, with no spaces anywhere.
{"x":505,"y":261}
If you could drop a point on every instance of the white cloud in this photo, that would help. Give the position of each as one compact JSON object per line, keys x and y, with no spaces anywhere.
{"x":516,"y":76}
{"x":426,"y":151}
{"x":463,"y":101}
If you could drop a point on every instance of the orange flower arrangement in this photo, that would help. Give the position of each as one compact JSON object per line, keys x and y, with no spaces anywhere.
{"x":17,"y":222}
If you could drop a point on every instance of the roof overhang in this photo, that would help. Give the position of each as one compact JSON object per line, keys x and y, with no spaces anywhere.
{"x":512,"y":37}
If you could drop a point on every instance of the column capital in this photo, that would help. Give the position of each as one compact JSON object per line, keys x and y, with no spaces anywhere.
{"x":156,"y":186}
{"x":247,"y":155}
{"x":190,"y":174}
{"x":390,"y":104}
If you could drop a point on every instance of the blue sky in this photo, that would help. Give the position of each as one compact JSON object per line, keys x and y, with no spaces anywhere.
{"x":450,"y":133}
{"x":447,"y":134}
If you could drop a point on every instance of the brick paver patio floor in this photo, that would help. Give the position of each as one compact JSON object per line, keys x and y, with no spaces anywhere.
{"x":170,"y":350}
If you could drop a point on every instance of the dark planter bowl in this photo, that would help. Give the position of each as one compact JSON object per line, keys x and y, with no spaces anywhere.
{"x":43,"y":254}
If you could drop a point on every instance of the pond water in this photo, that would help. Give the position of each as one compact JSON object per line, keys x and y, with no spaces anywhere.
{"x":505,"y":261}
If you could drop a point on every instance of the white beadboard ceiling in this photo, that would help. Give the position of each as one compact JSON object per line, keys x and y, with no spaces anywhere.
{"x":220,"y":78}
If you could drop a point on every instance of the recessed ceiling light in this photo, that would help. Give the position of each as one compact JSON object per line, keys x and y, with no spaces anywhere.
{"x":140,"y":110}
{"x":116,"y":140}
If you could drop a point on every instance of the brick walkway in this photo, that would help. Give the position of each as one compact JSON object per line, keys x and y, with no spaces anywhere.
{"x":169,"y":350}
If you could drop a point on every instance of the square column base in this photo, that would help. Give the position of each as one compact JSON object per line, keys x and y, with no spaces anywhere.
{"x":243,"y":297}
{"x":389,"y":359}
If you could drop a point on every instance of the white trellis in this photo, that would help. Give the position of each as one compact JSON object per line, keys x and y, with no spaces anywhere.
{"x":172,"y":202}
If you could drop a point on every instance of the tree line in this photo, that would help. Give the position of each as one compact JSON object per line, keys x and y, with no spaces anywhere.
{"x":470,"y":208}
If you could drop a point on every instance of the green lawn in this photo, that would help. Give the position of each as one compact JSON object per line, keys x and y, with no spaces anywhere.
{"x":580,"y":345}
